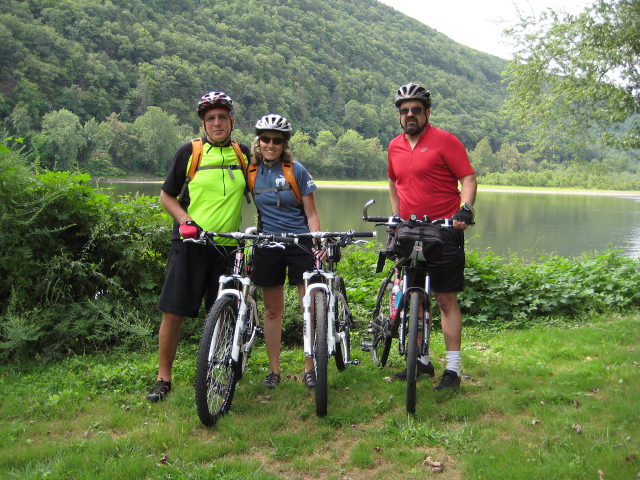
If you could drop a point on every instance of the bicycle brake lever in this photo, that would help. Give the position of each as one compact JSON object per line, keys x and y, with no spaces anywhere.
{"x":193,"y":240}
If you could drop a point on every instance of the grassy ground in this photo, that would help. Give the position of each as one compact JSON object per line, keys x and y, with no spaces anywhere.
{"x":548,"y":402}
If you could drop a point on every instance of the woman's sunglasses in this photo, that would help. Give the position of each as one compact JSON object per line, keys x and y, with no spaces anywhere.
{"x":414,"y":110}
{"x":267,"y":140}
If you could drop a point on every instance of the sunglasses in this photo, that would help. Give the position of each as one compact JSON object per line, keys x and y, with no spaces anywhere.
{"x":267,"y":140}
{"x":414,"y":110}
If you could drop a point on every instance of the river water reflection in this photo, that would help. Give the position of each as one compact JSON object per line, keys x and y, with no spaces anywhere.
{"x":527,"y":224}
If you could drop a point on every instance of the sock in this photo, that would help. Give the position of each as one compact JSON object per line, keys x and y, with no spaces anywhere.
{"x":424,"y":359}
{"x":453,"y":361}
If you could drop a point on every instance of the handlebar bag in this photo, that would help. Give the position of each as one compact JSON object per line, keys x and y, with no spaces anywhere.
{"x":418,"y":236}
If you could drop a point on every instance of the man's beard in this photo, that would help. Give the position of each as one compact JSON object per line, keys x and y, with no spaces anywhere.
{"x":413,"y":128}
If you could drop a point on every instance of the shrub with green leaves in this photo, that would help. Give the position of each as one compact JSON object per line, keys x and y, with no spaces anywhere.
{"x":514,"y":291}
{"x":71,"y":260}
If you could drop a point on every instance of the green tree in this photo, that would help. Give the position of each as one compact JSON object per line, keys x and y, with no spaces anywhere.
{"x":303,"y":152}
{"x":64,"y":132}
{"x":353,"y":118}
{"x":573,"y":73}
{"x":483,"y":159}
{"x":158,"y":135}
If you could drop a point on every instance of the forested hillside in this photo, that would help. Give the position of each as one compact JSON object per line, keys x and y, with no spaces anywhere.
{"x":80,"y":78}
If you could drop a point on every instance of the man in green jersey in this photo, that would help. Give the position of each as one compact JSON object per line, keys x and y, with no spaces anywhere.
{"x":210,"y":201}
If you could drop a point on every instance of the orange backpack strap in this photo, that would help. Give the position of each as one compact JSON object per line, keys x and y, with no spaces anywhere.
{"x":243,"y":164}
{"x":196,"y":158}
{"x":287,"y":168}
{"x":251,"y":178}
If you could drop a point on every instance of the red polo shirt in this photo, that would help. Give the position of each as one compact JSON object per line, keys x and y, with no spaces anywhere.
{"x":427,"y":176}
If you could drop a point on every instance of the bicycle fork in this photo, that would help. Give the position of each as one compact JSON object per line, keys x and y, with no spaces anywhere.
{"x":307,"y":317}
{"x":424,"y":326}
{"x":241,"y":322}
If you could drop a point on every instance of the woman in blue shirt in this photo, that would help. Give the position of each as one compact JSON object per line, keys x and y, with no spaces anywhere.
{"x":280,"y":212}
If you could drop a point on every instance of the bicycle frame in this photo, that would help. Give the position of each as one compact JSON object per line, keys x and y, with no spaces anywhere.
{"x":241,"y":324}
{"x":404,"y":304}
{"x":329,"y":290}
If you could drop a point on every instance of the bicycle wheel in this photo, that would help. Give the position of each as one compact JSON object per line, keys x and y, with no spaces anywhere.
{"x":343,"y":326}
{"x":215,"y":376}
{"x":321,"y":355}
{"x":249,"y":335}
{"x":412,"y":352}
{"x":381,"y":336}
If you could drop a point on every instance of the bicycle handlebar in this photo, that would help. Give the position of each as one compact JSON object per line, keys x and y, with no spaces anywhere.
{"x":394,"y":220}
{"x":321,"y":235}
{"x":242,"y":236}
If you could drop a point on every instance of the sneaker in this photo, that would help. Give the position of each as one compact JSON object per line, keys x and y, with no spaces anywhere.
{"x":450,"y":380}
{"x":159,"y":391}
{"x":421,"y":369}
{"x":272,"y":380}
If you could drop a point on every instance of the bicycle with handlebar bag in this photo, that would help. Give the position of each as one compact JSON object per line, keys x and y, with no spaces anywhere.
{"x":403,"y":305}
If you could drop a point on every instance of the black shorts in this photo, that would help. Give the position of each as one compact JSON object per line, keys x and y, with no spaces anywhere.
{"x":270,"y":264}
{"x":447,"y":274}
{"x":193,"y":271}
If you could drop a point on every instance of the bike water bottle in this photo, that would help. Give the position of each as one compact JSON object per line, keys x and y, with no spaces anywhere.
{"x":393,"y":300}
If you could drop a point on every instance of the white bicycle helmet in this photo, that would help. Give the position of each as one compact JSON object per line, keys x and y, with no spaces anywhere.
{"x":413,"y":91}
{"x":275,"y":123}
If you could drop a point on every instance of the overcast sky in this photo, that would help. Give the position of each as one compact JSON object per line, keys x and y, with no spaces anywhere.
{"x":479,"y":24}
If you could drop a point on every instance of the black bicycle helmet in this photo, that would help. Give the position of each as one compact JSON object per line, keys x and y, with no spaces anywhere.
{"x":413,"y":91}
{"x":214,"y":99}
{"x":275,"y":123}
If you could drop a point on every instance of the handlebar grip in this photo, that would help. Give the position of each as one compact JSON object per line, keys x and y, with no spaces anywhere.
{"x":376,"y":219}
{"x":364,"y":234}
{"x":285,"y":239}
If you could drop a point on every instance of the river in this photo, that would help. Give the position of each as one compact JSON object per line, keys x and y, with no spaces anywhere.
{"x":526,"y":223}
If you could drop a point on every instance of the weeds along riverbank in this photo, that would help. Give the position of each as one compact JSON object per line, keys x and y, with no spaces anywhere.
{"x":81,"y":272}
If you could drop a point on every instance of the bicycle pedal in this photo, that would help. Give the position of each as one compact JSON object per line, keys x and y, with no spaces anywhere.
{"x":354,"y":362}
{"x":260,"y":332}
{"x":365,"y":346}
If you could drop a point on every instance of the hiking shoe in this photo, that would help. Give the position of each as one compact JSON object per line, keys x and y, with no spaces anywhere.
{"x":420,"y":370}
{"x":272,"y":380}
{"x":309,"y":378}
{"x":159,"y":391}
{"x":450,"y":380}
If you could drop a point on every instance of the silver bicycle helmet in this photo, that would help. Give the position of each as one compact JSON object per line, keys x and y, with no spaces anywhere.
{"x":276,"y":123}
{"x":413,"y":91}
{"x":214,"y":99}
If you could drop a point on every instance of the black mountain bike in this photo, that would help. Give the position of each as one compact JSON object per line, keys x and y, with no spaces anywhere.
{"x":397,"y":310}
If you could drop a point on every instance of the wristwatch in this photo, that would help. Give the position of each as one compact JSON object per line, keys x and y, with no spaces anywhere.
{"x":467,"y":207}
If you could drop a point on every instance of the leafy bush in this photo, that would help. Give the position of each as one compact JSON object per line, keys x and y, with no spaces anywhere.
{"x":570,"y":178}
{"x":71,"y":258}
{"x":512,"y":291}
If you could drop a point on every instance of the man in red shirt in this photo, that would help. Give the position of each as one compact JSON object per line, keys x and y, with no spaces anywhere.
{"x":425,"y":166}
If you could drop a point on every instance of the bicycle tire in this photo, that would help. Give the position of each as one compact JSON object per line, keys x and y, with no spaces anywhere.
{"x":249,"y":335}
{"x":343,"y":326}
{"x":321,"y":354}
{"x":381,"y":336}
{"x":412,"y":352}
{"x":215,"y":376}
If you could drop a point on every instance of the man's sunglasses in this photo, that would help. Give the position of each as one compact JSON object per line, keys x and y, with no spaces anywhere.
{"x":414,"y":110}
{"x":267,"y":140}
